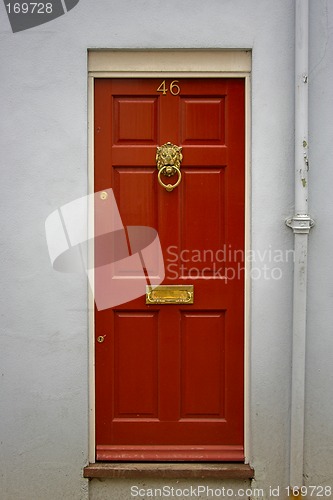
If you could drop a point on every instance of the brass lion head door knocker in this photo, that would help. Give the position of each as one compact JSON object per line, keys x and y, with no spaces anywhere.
{"x":168,"y":160}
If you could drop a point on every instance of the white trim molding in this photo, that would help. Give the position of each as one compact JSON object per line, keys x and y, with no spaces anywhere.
{"x":189,"y":63}
{"x":168,"y":63}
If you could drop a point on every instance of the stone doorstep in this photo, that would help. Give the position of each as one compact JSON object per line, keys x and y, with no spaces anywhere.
{"x":168,"y":470}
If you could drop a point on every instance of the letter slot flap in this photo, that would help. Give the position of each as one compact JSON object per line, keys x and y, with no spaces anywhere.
{"x":170,"y":294}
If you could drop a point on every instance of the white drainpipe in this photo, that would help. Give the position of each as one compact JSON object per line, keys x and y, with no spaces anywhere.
{"x":301,"y":224}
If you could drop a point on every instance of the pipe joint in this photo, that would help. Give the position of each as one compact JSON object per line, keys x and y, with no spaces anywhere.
{"x":300,"y":224}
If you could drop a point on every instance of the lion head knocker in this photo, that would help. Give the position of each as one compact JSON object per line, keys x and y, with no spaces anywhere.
{"x":168,"y":159}
{"x":169,"y":156}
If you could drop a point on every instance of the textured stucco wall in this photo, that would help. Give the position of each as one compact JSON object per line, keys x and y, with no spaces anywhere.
{"x":44,"y":353}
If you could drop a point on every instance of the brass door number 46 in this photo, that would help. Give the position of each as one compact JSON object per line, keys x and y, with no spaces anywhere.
{"x":173,"y":87}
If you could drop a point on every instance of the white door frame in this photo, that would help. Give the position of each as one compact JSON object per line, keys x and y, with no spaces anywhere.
{"x":190,"y":63}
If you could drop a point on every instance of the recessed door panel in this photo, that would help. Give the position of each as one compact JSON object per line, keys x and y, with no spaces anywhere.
{"x":135,"y":120}
{"x":202,"y":120}
{"x":135,"y":358}
{"x":200,"y":240}
{"x":202,"y":365}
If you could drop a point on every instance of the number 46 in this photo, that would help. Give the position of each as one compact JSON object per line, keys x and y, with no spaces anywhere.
{"x":173,"y":87}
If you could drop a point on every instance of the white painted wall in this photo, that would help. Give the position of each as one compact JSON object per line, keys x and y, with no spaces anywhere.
{"x":44,"y":354}
{"x":319,"y":372}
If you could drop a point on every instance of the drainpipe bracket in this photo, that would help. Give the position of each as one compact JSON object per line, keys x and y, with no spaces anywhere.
{"x":300,"y":223}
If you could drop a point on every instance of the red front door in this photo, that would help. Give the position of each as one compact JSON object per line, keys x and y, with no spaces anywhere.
{"x":169,"y":377}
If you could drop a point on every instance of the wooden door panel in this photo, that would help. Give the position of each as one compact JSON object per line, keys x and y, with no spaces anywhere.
{"x":202,"y":121}
{"x":202,"y":365}
{"x":139,"y":156}
{"x":202,"y":189}
{"x":136,"y":194}
{"x":169,"y":378}
{"x":135,"y":358}
{"x":197,"y":157}
{"x":135,"y":120}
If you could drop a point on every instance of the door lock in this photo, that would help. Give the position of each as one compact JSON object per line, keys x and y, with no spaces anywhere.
{"x":101,"y":338}
{"x":103,"y":195}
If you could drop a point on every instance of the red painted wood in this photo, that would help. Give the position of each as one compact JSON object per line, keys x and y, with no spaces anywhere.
{"x":171,"y":453}
{"x":202,"y":365}
{"x":136,"y":365}
{"x":169,"y":378}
